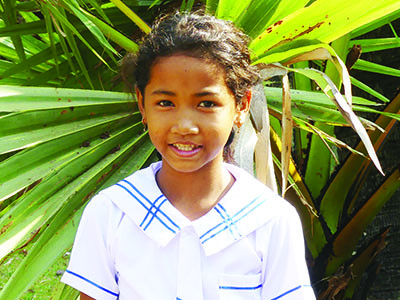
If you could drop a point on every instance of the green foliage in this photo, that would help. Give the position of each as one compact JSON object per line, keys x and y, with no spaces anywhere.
{"x":45,"y":285}
{"x":67,"y":129}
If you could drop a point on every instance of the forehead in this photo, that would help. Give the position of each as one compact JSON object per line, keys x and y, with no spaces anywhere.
{"x":184,"y":72}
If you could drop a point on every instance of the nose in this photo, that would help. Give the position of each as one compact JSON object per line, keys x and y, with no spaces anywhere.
{"x":185,"y":124}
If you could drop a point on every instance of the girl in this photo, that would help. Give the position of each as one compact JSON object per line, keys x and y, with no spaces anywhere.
{"x":190,"y":227}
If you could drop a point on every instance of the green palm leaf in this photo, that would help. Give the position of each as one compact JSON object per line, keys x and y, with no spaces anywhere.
{"x":60,"y":146}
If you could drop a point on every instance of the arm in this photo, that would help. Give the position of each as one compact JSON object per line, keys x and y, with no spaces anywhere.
{"x":91,"y":269}
{"x":285,"y":269}
{"x":85,"y":297}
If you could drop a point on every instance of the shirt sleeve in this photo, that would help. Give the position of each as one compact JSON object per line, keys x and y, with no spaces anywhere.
{"x":285,"y":271}
{"x":91,"y":268}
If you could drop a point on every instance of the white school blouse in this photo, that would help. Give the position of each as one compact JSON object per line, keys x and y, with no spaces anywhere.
{"x":132,"y":243}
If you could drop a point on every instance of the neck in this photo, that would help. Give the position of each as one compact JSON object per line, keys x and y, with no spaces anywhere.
{"x":195,"y":193}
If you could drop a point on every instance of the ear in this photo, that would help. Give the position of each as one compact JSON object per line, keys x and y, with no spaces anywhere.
{"x":243,"y":108}
{"x":140,"y":100}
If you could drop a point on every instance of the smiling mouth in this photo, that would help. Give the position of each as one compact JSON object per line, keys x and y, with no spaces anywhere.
{"x":185,"y":147}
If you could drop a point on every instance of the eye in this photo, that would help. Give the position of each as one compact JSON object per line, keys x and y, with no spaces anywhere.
{"x":207,"y":104}
{"x":165,"y":103}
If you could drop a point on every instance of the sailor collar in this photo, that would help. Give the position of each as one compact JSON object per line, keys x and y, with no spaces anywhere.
{"x":245,"y":207}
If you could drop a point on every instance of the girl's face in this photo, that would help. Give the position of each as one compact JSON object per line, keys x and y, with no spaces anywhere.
{"x":189,"y":111}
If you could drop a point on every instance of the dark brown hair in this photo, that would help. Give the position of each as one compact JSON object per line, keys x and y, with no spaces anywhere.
{"x":199,"y":36}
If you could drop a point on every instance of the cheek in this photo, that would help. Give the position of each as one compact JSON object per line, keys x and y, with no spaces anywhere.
{"x":155,"y":134}
{"x":221,"y":130}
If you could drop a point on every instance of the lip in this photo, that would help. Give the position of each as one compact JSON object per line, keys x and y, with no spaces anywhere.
{"x":185,"y":149}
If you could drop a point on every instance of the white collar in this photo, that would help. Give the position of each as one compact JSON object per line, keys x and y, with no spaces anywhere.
{"x":245,"y":207}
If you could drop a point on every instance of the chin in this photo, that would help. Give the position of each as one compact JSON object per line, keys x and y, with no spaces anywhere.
{"x":185,"y":168}
{"x":191,"y":166}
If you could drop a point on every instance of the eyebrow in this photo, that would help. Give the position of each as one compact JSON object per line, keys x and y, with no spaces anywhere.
{"x":169,"y":93}
{"x":202,"y":94}
{"x":163,"y":92}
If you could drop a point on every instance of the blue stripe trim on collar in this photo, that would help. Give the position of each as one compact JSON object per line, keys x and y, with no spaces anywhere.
{"x":227,"y":220}
{"x":149,"y":208}
{"x":149,"y":211}
{"x":92,"y":283}
{"x":251,"y":206}
{"x":155,"y":213}
{"x":147,"y":199}
{"x":228,"y":216}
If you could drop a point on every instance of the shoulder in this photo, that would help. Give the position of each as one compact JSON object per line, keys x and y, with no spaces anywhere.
{"x":252,"y":206}
{"x":101,"y":212}
{"x":248,"y":187}
{"x":107,"y":208}
{"x":106,"y":201}
{"x":142,"y":181}
{"x":272,"y":214}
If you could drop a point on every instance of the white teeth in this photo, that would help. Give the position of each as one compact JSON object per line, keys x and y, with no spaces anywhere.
{"x":184,"y":147}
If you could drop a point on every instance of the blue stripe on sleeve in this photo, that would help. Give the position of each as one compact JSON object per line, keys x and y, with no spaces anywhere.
{"x":290,"y":291}
{"x":92,"y":283}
